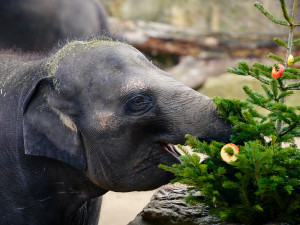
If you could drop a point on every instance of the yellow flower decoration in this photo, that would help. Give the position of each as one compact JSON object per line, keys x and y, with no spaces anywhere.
{"x":290,"y":60}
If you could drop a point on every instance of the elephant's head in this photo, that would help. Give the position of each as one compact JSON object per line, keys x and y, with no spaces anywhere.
{"x":106,"y":110}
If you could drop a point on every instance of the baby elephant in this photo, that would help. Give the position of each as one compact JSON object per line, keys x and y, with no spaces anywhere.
{"x":93,"y":117}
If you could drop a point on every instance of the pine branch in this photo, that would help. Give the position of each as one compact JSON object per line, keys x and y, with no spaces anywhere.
{"x":295,"y":7}
{"x":268,"y":92}
{"x":258,"y":69}
{"x":290,"y":128}
{"x":260,"y":7}
{"x":297,"y":41}
{"x":256,"y":97}
{"x":294,"y":86}
{"x":280,"y":42}
{"x":260,"y":78}
{"x":242,"y":65}
{"x":285,"y":14}
{"x":275,"y":57}
{"x":282,"y":87}
{"x":274,"y":87}
{"x":285,"y":94}
{"x":288,"y":75}
{"x":262,"y":67}
{"x":297,"y":59}
{"x":236,"y":71}
{"x":248,"y":117}
{"x":266,"y":74}
{"x":293,"y":70}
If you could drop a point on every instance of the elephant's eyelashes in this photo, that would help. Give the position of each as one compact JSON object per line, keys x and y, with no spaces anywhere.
{"x":139,"y":104}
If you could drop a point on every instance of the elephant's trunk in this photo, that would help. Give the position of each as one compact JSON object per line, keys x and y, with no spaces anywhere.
{"x":199,"y":117}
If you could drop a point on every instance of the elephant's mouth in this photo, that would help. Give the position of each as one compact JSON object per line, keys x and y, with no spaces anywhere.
{"x":170,"y":148}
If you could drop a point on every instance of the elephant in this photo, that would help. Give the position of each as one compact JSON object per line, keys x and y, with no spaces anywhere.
{"x":95,"y":116}
{"x":41,"y":25}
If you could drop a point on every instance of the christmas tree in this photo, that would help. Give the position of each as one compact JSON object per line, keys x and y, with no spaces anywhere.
{"x":256,"y":178}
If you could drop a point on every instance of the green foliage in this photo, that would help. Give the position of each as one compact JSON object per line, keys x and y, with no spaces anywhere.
{"x":297,"y":59}
{"x":297,"y":41}
{"x":281,"y":42}
{"x":285,"y":13}
{"x":263,"y":184}
{"x":277,"y":58}
{"x":269,"y":16}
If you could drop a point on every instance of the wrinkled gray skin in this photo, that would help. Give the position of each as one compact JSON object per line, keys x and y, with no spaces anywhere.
{"x":38,"y":25}
{"x":96,"y":116}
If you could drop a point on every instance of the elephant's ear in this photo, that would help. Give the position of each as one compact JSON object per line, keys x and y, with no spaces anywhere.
{"x":49,"y":132}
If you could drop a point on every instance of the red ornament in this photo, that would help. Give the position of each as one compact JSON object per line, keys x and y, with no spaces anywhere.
{"x":277,"y":73}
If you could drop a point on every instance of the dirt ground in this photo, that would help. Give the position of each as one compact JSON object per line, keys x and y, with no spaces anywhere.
{"x":121,"y":208}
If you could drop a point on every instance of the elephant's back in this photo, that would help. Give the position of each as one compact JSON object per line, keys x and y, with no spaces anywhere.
{"x":40,"y":25}
{"x":17,"y":74}
{"x":17,"y":78}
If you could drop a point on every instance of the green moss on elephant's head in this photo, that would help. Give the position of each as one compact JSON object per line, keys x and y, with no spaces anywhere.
{"x":73,"y":49}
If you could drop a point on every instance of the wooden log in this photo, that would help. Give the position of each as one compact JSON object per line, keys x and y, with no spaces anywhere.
{"x":158,"y":38}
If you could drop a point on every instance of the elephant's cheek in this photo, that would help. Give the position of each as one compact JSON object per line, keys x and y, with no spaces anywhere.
{"x":99,"y":172}
{"x":103,"y":162}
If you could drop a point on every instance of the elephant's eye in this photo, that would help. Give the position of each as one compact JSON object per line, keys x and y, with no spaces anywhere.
{"x":139,"y":104}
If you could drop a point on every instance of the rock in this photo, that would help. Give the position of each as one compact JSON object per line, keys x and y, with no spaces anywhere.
{"x":167,"y":207}
{"x":193,"y":72}
{"x":196,"y":71}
